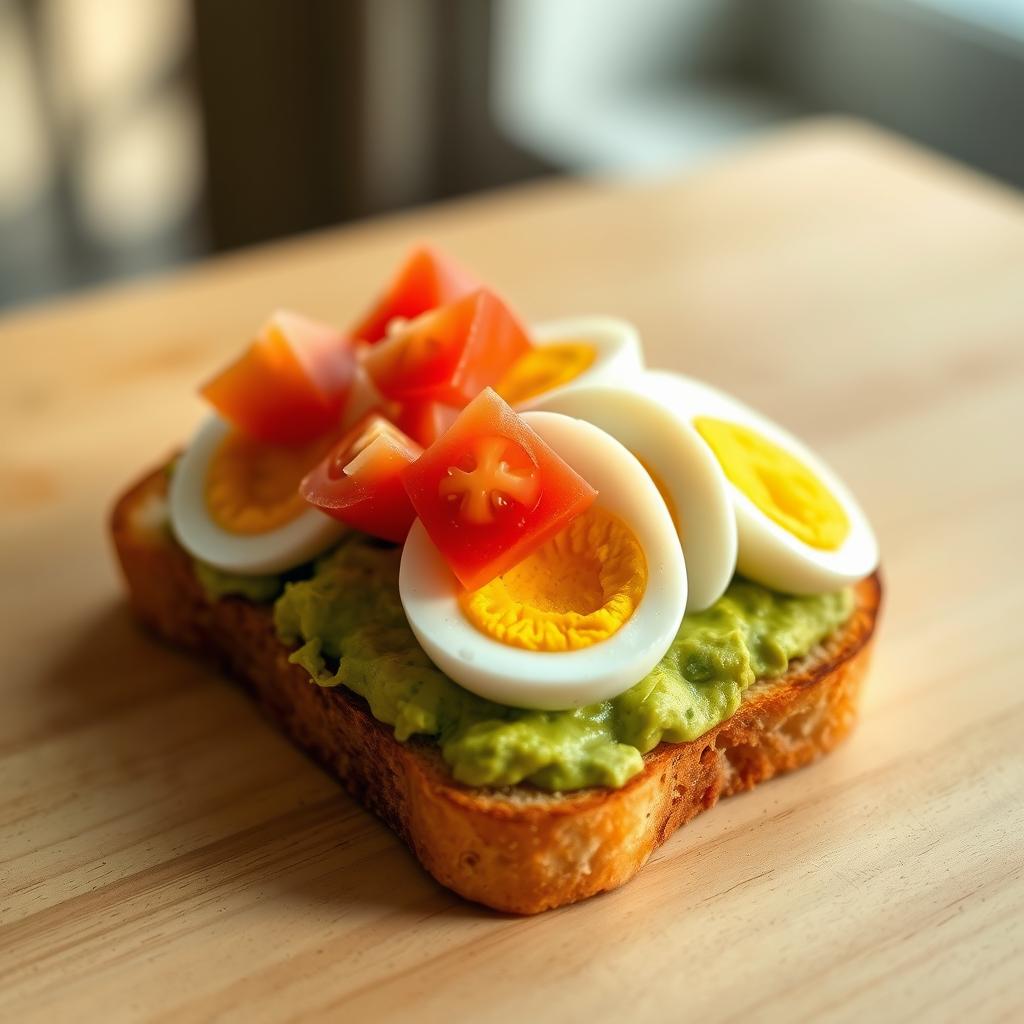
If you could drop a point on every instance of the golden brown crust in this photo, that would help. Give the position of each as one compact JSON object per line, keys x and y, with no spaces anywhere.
{"x":517,"y":850}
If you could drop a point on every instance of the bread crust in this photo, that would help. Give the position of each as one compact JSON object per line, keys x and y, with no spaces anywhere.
{"x":519,"y":849}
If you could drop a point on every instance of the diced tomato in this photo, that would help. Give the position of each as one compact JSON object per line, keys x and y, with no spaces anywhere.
{"x":360,"y":481}
{"x":491,"y":491}
{"x":450,"y":354}
{"x":425,"y":281}
{"x":291,"y":383}
{"x":364,"y":398}
{"x":424,"y":422}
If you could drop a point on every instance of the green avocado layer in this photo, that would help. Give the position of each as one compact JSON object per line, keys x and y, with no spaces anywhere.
{"x":217,"y":583}
{"x":348,"y":619}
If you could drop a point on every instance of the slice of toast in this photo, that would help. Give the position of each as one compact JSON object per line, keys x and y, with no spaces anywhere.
{"x":516,"y":849}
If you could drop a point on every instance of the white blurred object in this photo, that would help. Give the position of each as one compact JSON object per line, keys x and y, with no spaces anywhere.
{"x":624,"y":86}
{"x":135,"y":172}
{"x":138,"y":175}
{"x":105,"y":52}
{"x":101,"y":160}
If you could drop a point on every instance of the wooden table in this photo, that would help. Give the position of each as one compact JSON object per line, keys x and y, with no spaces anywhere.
{"x":163,"y":853}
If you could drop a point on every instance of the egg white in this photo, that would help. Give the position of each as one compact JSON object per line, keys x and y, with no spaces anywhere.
{"x":768,"y":553}
{"x":618,"y":352}
{"x":274,"y":551}
{"x":563,"y":679}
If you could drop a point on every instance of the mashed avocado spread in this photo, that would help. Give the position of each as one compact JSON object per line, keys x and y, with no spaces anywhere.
{"x":348,"y":619}
{"x":217,"y":584}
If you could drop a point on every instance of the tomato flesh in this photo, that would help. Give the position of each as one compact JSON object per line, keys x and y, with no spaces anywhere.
{"x":424,"y":421}
{"x":425,"y":281}
{"x":360,"y":481}
{"x":290,"y":385}
{"x":450,"y":354}
{"x":490,"y":491}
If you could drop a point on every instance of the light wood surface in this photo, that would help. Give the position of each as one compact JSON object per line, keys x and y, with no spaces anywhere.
{"x":165,"y":855}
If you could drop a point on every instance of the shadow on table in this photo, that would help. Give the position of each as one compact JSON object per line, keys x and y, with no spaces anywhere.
{"x":186,"y":785}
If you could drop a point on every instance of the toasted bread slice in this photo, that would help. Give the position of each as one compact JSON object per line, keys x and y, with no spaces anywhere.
{"x":516,"y":849}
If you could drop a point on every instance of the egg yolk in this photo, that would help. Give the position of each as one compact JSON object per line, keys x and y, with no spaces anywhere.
{"x":544,"y":369}
{"x":778,"y":483}
{"x":253,"y":487}
{"x":576,"y":590}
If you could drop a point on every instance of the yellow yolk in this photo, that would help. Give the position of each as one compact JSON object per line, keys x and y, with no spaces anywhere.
{"x":576,"y":590}
{"x":252,"y":487}
{"x":544,"y":369}
{"x":778,"y":484}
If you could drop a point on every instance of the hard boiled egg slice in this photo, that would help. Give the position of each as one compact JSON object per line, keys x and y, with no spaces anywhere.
{"x":234,"y":502}
{"x":570,"y":353}
{"x":683,"y":468}
{"x":800,"y":530}
{"x":581,"y":619}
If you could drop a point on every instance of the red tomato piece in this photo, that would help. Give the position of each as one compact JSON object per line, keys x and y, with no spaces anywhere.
{"x":360,"y":480}
{"x":450,"y":354}
{"x":491,"y":491}
{"x":425,"y":281}
{"x":424,"y":422}
{"x":290,"y":385}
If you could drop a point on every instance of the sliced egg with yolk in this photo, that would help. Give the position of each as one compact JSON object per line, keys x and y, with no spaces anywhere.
{"x":234,"y":502}
{"x":800,"y":530}
{"x":684,"y":469}
{"x":580,"y":620}
{"x":571,"y":353}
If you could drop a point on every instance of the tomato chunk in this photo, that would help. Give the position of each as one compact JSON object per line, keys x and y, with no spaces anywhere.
{"x":450,"y":354}
{"x":360,"y":481}
{"x":425,"y":281}
{"x":290,"y":385}
{"x":424,"y":421}
{"x":491,"y":491}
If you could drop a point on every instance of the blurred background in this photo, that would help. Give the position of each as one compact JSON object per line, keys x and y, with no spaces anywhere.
{"x":137,"y":134}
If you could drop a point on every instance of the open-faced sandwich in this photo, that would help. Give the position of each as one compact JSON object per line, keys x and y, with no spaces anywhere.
{"x":534,"y":604}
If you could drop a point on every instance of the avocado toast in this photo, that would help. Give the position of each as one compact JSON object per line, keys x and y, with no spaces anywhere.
{"x":535,"y":603}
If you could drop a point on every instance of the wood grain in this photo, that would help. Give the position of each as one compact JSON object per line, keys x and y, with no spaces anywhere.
{"x":165,"y":855}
